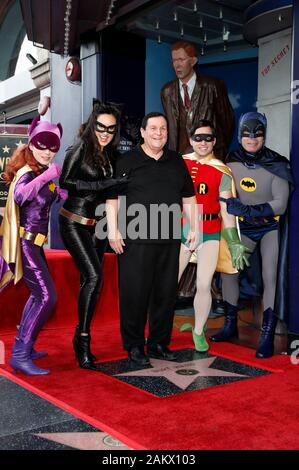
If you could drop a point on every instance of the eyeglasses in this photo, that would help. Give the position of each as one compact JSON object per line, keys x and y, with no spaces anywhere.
{"x":99,"y":127}
{"x":203,"y":137}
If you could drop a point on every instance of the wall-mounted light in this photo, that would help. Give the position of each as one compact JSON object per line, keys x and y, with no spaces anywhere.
{"x":201,"y":23}
{"x":31,"y":58}
{"x":175,"y":16}
{"x":159,"y":39}
{"x":182,"y":31}
{"x":195,"y":7}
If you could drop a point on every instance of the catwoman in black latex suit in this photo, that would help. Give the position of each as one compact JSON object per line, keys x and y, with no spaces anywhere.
{"x":87,"y":174}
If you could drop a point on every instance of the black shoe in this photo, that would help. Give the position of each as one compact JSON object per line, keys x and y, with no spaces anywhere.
{"x":138,"y":356}
{"x":75,"y":344}
{"x":83,"y":353}
{"x":158,"y":351}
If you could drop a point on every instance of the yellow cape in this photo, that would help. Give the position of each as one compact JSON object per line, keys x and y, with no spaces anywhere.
{"x":224,"y":264}
{"x":9,"y":230}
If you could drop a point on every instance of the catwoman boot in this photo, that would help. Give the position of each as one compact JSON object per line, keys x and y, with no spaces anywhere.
{"x":266,"y":344}
{"x":230,"y":327}
{"x":83,"y":353}
{"x":21,"y":360}
{"x":75,"y":343}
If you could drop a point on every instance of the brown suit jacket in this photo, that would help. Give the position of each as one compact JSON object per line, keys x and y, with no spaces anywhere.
{"x":209,"y":101}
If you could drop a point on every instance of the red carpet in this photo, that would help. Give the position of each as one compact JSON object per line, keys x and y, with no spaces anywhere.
{"x":258,"y":413}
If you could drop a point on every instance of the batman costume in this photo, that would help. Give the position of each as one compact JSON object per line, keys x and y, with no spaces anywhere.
{"x":263,"y":179}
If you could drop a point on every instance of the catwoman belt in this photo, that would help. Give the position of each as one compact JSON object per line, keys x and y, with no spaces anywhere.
{"x":206,"y":217}
{"x":36,"y":238}
{"x":77,"y":218}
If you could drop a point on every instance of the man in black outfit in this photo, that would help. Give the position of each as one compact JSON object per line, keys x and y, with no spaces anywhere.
{"x":149,"y":244}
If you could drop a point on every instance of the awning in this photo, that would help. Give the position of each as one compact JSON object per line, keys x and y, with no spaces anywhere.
{"x":58,"y":25}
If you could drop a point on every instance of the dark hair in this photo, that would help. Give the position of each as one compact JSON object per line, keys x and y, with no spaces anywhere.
{"x":189,"y":47}
{"x":202,"y":123}
{"x":152,"y":115}
{"x":94,"y":156}
{"x":21,"y":156}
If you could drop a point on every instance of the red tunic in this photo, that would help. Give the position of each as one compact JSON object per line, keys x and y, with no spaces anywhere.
{"x":206,"y":180}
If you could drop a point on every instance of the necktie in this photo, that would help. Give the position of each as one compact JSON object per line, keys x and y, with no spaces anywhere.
{"x":187,"y":101}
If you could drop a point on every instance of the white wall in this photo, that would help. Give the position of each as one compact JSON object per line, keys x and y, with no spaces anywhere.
{"x":274,"y":88}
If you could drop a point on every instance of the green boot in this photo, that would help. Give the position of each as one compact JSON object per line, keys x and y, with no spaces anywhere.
{"x":200,"y":342}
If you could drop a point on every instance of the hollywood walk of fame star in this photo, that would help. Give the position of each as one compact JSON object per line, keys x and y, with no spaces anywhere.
{"x":84,"y":440}
{"x":182,"y":374}
{"x":6,"y":149}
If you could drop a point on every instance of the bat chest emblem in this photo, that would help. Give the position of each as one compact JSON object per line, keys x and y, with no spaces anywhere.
{"x":248,"y":185}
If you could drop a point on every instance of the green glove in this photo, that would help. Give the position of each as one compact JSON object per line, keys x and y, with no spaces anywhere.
{"x":239,"y":253}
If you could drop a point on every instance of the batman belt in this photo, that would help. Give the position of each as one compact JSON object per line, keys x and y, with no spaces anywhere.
{"x":260,"y":220}
{"x":36,"y":238}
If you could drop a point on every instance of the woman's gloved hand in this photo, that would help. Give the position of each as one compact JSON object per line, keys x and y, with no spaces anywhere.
{"x":102,"y":184}
{"x":27,"y":192}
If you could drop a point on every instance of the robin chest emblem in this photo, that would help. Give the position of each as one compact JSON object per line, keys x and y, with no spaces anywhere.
{"x":248,"y":185}
{"x":202,"y":188}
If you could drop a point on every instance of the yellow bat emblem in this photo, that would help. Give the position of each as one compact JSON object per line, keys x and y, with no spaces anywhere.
{"x":248,"y":184}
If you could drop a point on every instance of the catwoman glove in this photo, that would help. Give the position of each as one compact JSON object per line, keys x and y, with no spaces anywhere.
{"x":102,"y":184}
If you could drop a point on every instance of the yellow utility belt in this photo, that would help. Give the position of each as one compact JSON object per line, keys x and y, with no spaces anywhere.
{"x":36,"y":238}
{"x":266,"y":220}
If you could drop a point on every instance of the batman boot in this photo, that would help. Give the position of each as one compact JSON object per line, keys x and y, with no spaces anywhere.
{"x":230,"y":327}
{"x":266,"y":344}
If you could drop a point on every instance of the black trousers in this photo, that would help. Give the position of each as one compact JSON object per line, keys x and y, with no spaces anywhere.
{"x":148,"y":286}
{"x":87,"y":252}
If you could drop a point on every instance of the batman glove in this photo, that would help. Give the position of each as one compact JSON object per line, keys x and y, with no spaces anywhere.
{"x":236,"y":207}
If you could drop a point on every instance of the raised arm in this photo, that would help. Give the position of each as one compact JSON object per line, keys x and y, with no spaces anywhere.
{"x":29,"y":186}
